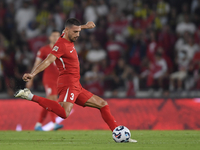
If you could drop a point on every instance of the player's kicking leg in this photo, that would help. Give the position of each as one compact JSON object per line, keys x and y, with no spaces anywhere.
{"x":102,"y":105}
{"x":47,"y":104}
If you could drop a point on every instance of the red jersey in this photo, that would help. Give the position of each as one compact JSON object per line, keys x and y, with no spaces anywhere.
{"x":50,"y":74}
{"x":67,"y":63}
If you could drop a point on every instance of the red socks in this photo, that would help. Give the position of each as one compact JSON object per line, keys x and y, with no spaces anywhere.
{"x":50,"y":105}
{"x":108,"y":118}
{"x":42,"y":115}
{"x":53,"y":117}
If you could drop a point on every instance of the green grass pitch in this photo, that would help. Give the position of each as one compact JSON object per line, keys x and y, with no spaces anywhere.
{"x":98,"y":140}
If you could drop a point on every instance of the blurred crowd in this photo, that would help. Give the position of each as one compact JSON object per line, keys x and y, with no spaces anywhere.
{"x":137,"y":44}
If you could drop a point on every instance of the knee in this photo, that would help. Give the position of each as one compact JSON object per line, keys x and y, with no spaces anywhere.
{"x":65,"y":116}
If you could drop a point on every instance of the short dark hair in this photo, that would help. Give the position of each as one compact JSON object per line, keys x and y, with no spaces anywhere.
{"x":54,"y":30}
{"x":72,"y":21}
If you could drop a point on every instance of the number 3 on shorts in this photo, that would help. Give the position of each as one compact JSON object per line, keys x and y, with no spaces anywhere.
{"x":72,"y":96}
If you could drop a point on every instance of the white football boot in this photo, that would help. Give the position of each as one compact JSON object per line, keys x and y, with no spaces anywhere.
{"x":132,"y":140}
{"x":24,"y":93}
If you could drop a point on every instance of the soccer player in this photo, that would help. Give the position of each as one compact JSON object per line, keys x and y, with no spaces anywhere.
{"x":49,"y":80}
{"x":69,"y":88}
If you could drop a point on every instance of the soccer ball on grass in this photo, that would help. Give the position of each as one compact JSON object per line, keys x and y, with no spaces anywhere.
{"x":121,"y":134}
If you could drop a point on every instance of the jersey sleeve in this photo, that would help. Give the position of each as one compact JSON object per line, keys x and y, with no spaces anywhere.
{"x":40,"y":54}
{"x":57,"y":50}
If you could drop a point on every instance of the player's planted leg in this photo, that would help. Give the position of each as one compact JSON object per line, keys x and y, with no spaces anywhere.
{"x":102,"y":105}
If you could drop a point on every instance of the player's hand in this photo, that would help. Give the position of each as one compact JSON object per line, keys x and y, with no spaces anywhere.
{"x":27,"y":77}
{"x":29,"y":84}
{"x":90,"y":25}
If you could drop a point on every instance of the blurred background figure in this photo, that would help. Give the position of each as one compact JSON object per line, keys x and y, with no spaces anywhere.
{"x":93,"y":80}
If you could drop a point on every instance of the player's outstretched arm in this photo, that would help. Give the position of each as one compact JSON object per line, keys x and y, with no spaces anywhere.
{"x":36,"y":63}
{"x":43,"y":65}
{"x":88,"y":25}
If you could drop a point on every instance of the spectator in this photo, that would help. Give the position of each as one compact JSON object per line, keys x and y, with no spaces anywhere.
{"x":119,"y":24}
{"x":163,"y":9}
{"x":96,"y":54}
{"x":10,"y":25}
{"x":67,"y":5}
{"x":24,"y":15}
{"x":185,"y":26}
{"x":24,"y":57}
{"x":43,"y":15}
{"x":184,"y":11}
{"x":172,"y":19}
{"x":156,"y":71}
{"x":2,"y":56}
{"x":113,"y":13}
{"x":1,"y":76}
{"x":136,"y":53}
{"x":138,"y":10}
{"x":197,"y":36}
{"x":32,"y":30}
{"x":102,"y":9}
{"x":181,"y":41}
{"x":121,"y":5}
{"x":8,"y":61}
{"x":100,"y":32}
{"x":167,"y":39}
{"x":143,"y":16}
{"x":119,"y":76}
{"x":114,"y":48}
{"x":185,"y":54}
{"x":2,"y":11}
{"x":77,"y":12}
{"x":188,"y":46}
{"x":152,"y":46}
{"x":59,"y":17}
{"x":90,"y":13}
{"x":194,"y":5}
{"x":132,"y":83}
{"x":183,"y":63}
{"x":196,"y":18}
{"x":93,"y":80}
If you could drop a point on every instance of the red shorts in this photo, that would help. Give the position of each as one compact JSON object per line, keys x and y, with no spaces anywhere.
{"x":74,"y":94}
{"x":50,"y":89}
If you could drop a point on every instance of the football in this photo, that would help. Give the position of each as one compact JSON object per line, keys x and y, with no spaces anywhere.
{"x":121,"y":134}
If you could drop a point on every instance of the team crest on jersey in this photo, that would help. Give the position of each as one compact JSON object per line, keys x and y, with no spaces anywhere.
{"x":55,"y":48}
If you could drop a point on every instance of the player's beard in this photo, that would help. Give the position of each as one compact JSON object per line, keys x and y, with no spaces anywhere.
{"x":72,"y":39}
